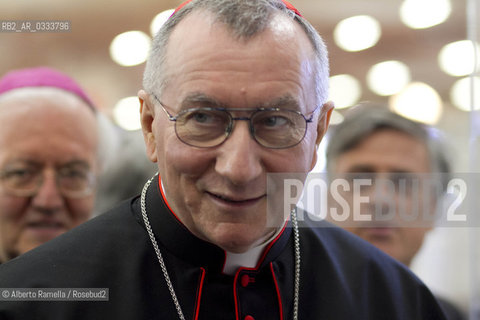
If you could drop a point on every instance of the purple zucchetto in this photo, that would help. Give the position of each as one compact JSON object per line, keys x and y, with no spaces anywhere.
{"x":42,"y":77}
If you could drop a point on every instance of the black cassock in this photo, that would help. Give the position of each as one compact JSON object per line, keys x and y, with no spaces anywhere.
{"x":342,"y":277}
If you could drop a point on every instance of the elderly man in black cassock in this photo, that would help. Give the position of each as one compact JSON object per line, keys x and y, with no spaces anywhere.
{"x":233,"y":90}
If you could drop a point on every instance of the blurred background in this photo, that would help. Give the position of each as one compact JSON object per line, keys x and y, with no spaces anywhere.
{"x":417,"y":57}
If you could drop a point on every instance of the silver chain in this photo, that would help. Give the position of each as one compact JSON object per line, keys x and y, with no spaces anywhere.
{"x":157,"y":249}
{"x":296,"y":242}
{"x":296,"y":238}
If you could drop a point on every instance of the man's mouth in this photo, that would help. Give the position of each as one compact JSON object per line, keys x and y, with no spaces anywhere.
{"x":236,"y":200}
{"x":380,"y":232}
{"x":45,"y":229}
{"x":45,"y":224}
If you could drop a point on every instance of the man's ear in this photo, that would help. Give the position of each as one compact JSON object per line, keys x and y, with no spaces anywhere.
{"x":322,"y":126}
{"x":147,"y":117}
{"x":324,"y":121}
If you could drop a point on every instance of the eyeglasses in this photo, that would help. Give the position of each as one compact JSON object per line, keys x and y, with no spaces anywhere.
{"x":26,"y":182}
{"x":273,"y":128}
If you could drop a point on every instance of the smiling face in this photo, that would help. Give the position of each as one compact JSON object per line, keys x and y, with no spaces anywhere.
{"x":43,"y":129}
{"x":219,"y":193}
{"x":382,"y":153}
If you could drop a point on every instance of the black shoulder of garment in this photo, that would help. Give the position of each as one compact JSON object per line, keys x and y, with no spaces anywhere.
{"x":342,"y":277}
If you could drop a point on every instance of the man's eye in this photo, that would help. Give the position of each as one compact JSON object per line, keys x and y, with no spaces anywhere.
{"x":18,"y":175}
{"x":205,"y":117}
{"x":274,"y":121}
{"x":73,"y":173}
{"x":360,"y":178}
{"x":201,"y":117}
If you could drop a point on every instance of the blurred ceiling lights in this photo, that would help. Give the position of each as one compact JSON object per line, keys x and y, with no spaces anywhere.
{"x":345,"y":90}
{"x":458,"y":58}
{"x":126,"y":113}
{"x":130,"y":48}
{"x":159,"y":20}
{"x":357,"y":33}
{"x":462,"y":95}
{"x":388,"y":77}
{"x":392,"y":78}
{"x":421,"y":14}
{"x":418,"y":101}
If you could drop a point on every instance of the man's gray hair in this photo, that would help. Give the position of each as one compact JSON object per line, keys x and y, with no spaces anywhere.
{"x":245,"y":19}
{"x":362,"y":121}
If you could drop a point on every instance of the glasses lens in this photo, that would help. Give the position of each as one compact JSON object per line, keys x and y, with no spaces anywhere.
{"x":20,"y":181}
{"x":202,"y":127}
{"x":278,"y":128}
{"x":26,"y":182}
{"x":75,"y":182}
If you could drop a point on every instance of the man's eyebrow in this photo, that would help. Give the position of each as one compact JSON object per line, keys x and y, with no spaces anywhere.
{"x":32,"y":163}
{"x":21,"y":161}
{"x":284,"y":101}
{"x":75,"y":163}
{"x":361,"y":169}
{"x":202,"y":99}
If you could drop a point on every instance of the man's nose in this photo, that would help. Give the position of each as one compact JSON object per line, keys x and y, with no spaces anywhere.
{"x":49,"y":195}
{"x":383,"y":198}
{"x":239,"y":158}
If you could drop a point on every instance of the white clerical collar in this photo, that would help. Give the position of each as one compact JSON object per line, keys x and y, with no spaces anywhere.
{"x":248,"y":259}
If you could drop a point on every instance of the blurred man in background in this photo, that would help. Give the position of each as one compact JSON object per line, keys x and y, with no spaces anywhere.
{"x":374,"y":143}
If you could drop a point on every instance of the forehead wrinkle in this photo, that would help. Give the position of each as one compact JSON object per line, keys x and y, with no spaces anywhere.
{"x":283,"y":101}
{"x":283,"y":32}
{"x":202,"y":65}
{"x":202,"y":98}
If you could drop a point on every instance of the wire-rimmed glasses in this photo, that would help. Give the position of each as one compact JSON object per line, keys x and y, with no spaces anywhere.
{"x":25,"y":181}
{"x":206,"y":127}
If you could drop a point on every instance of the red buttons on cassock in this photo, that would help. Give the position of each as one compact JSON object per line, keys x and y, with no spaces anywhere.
{"x":245,"y":280}
{"x":249,"y":318}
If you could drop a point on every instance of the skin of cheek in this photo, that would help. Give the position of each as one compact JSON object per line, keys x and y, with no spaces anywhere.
{"x":12,"y":219}
{"x":12,"y":212}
